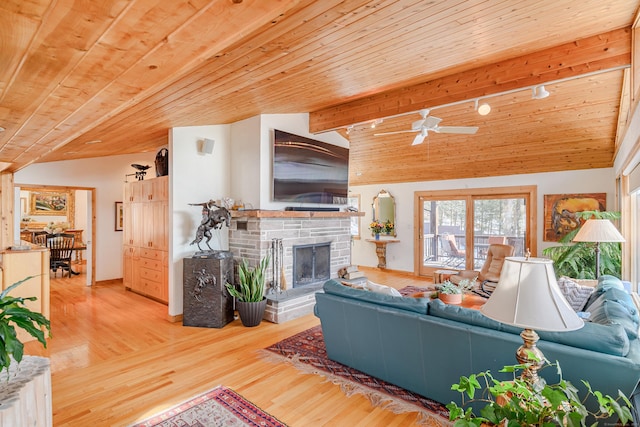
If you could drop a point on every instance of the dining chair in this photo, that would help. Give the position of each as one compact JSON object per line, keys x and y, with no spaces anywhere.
{"x":40,"y":238}
{"x":60,"y":247}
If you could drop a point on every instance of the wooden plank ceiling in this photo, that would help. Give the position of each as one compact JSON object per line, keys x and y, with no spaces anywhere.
{"x":80,"y":78}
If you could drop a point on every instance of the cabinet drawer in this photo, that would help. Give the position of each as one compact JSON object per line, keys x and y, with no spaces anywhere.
{"x":154,"y":289}
{"x":151,"y":253}
{"x":152,"y":264}
{"x":153,"y":275}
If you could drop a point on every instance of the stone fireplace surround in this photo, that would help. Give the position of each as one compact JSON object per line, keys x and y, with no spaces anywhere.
{"x":251,"y":234}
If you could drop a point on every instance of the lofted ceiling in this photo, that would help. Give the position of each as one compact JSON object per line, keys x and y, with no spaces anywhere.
{"x":82,"y":78}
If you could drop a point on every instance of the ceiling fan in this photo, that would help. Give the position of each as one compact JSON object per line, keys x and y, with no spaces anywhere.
{"x":431,"y":123}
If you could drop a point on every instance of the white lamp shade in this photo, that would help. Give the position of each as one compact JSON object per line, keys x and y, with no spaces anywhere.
{"x":598,"y":230}
{"x":527,"y":296}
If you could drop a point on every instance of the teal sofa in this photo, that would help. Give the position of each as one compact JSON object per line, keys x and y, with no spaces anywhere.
{"x":425,"y":345}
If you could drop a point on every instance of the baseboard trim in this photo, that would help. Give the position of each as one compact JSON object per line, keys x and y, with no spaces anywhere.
{"x":174,"y":319}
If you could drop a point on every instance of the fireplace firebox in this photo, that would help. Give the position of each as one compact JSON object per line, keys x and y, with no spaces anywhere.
{"x":311,"y":264}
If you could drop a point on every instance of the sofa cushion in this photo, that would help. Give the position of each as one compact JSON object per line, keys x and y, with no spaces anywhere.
{"x":608,"y":339}
{"x":417,"y":305}
{"x":575,"y":294}
{"x":382,"y":289}
{"x":615,"y":307}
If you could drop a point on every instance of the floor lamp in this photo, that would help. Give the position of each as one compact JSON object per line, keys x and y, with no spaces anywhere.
{"x":598,"y":230}
{"x":527,"y":296}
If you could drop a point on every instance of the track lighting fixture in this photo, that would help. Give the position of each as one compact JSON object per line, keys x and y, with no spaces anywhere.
{"x":539,"y":92}
{"x":482,"y":109}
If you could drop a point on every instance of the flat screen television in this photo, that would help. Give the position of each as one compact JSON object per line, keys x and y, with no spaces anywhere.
{"x":309,"y":171}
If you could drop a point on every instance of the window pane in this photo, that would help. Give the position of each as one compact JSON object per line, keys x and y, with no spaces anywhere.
{"x":498,"y":221}
{"x":444,"y":233}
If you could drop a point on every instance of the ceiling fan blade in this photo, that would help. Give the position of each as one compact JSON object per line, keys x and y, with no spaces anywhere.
{"x":417,"y":125}
{"x":468,"y":130}
{"x":394,"y":132}
{"x":432,"y":122}
{"x":419,"y":139}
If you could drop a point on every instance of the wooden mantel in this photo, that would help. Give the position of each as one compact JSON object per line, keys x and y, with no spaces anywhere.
{"x":261,"y":213}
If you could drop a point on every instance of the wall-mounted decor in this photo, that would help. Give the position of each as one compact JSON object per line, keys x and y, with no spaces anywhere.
{"x":51,"y":203}
{"x":119,"y":216}
{"x":560,"y":209}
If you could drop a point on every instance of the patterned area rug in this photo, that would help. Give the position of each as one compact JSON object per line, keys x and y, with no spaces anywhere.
{"x":306,"y":351}
{"x":218,"y":407}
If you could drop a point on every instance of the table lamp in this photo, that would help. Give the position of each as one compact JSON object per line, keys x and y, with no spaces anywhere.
{"x":527,"y":295}
{"x":598,"y":230}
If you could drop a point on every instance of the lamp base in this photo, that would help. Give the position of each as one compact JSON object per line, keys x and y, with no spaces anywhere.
{"x":531,"y":355}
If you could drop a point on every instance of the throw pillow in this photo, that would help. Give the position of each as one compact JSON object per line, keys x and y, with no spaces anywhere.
{"x":382,"y":289}
{"x":575,"y":294}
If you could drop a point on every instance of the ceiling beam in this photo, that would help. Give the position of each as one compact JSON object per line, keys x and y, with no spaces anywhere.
{"x":596,"y":53}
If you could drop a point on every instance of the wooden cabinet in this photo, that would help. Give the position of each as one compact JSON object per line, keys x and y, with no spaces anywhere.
{"x":17,"y":265}
{"x":146,"y":238}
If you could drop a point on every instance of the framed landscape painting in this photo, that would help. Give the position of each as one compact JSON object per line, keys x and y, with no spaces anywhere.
{"x":50,"y":203}
{"x":560,"y":210}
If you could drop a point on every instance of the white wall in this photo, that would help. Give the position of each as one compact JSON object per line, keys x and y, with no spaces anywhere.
{"x":107,"y":175}
{"x":400,"y":255}
{"x":194,"y":178}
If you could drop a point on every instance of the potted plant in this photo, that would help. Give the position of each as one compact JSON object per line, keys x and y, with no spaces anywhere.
{"x":249,"y":293}
{"x":450,"y":293}
{"x":577,"y":260}
{"x":517,"y":403}
{"x":14,"y":313}
{"x":388,"y":227}
{"x":376,"y":228}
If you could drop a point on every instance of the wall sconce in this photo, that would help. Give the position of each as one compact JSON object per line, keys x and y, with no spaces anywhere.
{"x":205,"y":146}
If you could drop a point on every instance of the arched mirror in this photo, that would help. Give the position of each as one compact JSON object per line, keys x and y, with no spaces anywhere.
{"x":384,"y":211}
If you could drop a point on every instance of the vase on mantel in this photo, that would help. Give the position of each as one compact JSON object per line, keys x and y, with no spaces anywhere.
{"x":377,"y":236}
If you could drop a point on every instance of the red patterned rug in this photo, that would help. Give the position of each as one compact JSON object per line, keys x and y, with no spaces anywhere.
{"x":218,"y":407}
{"x":306,"y":351}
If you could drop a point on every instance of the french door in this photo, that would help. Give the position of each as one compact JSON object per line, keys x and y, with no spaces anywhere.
{"x":455,"y":228}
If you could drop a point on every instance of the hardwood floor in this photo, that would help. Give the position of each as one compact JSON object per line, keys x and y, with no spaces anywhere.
{"x":116,"y":359}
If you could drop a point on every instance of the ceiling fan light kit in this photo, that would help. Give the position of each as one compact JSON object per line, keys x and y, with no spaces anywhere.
{"x":431,"y":123}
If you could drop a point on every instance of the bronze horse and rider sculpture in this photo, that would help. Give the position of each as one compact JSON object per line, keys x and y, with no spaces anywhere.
{"x":211,"y":219}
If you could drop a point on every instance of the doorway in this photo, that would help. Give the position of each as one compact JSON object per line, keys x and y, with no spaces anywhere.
{"x":72,"y":207}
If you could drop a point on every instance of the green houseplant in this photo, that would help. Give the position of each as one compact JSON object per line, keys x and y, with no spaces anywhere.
{"x":14,"y":313}
{"x":577,"y":260}
{"x":452,"y":293}
{"x":516,"y":403}
{"x":249,"y":292}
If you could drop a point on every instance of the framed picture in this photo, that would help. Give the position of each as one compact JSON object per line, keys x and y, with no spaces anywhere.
{"x":51,"y":203}
{"x":119,"y":216}
{"x":560,"y":209}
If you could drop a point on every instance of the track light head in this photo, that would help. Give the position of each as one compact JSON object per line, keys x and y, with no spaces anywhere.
{"x":484,"y":109}
{"x":539,"y":92}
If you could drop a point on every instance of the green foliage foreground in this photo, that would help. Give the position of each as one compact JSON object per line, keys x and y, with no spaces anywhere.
{"x":521,"y":404}
{"x":14,"y":313}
